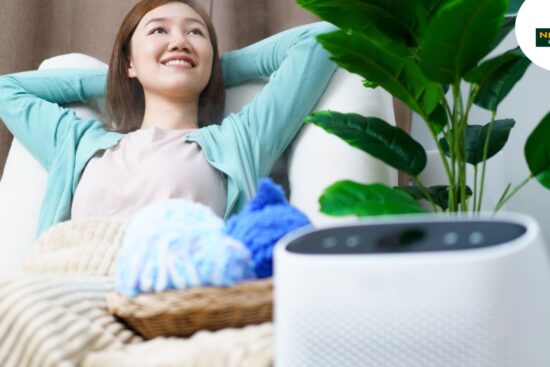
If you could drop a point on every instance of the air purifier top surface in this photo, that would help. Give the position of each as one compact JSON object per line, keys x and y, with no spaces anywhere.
{"x":406,"y":237}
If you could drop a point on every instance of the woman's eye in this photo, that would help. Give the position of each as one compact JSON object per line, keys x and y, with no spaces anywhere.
{"x":195,"y":30}
{"x":157,"y":29}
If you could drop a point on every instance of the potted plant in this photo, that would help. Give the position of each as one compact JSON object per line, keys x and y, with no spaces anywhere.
{"x":426,"y":53}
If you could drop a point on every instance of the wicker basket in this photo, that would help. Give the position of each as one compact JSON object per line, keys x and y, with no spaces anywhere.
{"x":182,"y":313}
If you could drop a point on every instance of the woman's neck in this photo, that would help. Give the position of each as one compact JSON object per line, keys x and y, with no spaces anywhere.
{"x":170,"y":114}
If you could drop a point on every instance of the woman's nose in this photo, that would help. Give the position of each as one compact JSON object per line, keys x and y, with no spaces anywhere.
{"x":179,"y":41}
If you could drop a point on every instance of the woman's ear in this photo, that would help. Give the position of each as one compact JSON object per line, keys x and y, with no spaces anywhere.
{"x":131,"y":70}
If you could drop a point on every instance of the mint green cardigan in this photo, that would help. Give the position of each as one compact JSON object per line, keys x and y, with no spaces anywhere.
{"x":244,"y":146}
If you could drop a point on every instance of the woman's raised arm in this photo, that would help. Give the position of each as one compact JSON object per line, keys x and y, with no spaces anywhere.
{"x":298,"y":69}
{"x":30,"y":105}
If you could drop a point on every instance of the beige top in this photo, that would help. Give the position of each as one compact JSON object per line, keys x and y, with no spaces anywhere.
{"x":147,"y":165}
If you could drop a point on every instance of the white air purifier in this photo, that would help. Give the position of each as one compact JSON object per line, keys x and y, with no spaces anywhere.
{"x":421,"y":291}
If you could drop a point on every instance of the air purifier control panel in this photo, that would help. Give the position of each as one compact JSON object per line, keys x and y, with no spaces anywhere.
{"x":406,"y":237}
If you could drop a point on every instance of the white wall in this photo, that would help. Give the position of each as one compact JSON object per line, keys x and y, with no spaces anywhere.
{"x":528,"y":103}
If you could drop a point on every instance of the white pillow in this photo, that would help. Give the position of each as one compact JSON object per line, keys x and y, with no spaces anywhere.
{"x":24,"y":180}
{"x":319,"y":159}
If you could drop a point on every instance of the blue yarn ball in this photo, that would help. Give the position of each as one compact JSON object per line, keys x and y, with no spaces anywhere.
{"x":263,"y":222}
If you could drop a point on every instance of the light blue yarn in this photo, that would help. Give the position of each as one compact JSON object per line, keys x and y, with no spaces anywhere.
{"x":179,"y":244}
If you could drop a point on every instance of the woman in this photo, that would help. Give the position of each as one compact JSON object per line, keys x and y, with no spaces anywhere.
{"x":166,"y":135}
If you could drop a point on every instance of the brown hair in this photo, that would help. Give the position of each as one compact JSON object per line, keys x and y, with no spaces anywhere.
{"x":125,"y":100}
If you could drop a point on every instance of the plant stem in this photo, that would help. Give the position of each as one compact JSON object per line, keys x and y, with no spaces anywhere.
{"x":475,"y":186}
{"x":474,"y":90}
{"x":485,"y":152}
{"x":456,"y":147}
{"x":425,"y":192}
{"x":450,"y":175}
{"x":462,"y":131}
{"x":445,"y":103}
{"x":502,"y":202}
{"x":460,"y":102}
{"x":472,"y":94}
{"x":503,"y":195}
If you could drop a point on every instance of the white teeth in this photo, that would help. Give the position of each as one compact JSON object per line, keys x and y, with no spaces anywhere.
{"x":178,"y":62}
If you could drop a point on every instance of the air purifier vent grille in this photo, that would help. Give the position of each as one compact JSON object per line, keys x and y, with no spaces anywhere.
{"x":399,"y":337}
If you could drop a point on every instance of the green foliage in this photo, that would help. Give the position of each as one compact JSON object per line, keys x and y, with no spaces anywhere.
{"x":386,"y":63}
{"x":439,"y":119}
{"x":347,"y":197}
{"x":496,"y":77}
{"x":424,"y":53}
{"x":369,"y":84}
{"x":438,"y":194}
{"x":476,"y":136}
{"x":537,"y":152}
{"x":450,"y":49}
{"x":376,"y":137}
{"x":396,"y":19}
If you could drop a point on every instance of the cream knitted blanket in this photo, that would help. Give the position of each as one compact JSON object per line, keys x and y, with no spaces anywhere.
{"x":54,"y":313}
{"x":80,"y":248}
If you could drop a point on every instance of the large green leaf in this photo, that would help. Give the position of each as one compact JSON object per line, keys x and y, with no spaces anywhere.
{"x":432,"y":6}
{"x":386,"y":65}
{"x":438,"y":119}
{"x":429,"y":9}
{"x":475,"y":137}
{"x":537,"y":152}
{"x":439,"y":194}
{"x":458,"y":36}
{"x":480,"y":74}
{"x":390,"y":144}
{"x":397,"y":19}
{"x":351,"y":198}
{"x":496,"y":77}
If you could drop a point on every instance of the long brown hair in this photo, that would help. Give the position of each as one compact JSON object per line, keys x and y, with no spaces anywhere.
{"x":125,"y":100}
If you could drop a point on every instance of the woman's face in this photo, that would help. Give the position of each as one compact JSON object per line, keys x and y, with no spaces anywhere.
{"x":179,"y":35}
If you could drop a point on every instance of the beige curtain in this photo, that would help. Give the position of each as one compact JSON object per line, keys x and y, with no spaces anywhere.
{"x":33,"y":30}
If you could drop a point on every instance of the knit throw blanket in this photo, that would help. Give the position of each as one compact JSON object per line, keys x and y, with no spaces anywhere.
{"x":54,"y":312}
{"x":77,"y":248}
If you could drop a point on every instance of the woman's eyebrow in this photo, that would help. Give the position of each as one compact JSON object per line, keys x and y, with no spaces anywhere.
{"x":187,"y":19}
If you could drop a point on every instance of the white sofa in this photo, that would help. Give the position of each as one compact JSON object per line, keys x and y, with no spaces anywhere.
{"x":316,"y":160}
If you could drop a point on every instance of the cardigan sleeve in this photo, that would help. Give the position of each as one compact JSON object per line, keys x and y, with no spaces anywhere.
{"x":299,"y":70}
{"x":30,"y":105}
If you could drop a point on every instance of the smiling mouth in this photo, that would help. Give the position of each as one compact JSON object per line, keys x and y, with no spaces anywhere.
{"x":179,"y":62}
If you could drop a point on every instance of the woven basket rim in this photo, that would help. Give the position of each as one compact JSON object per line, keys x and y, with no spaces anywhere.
{"x":184,"y":312}
{"x":252,"y":293}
